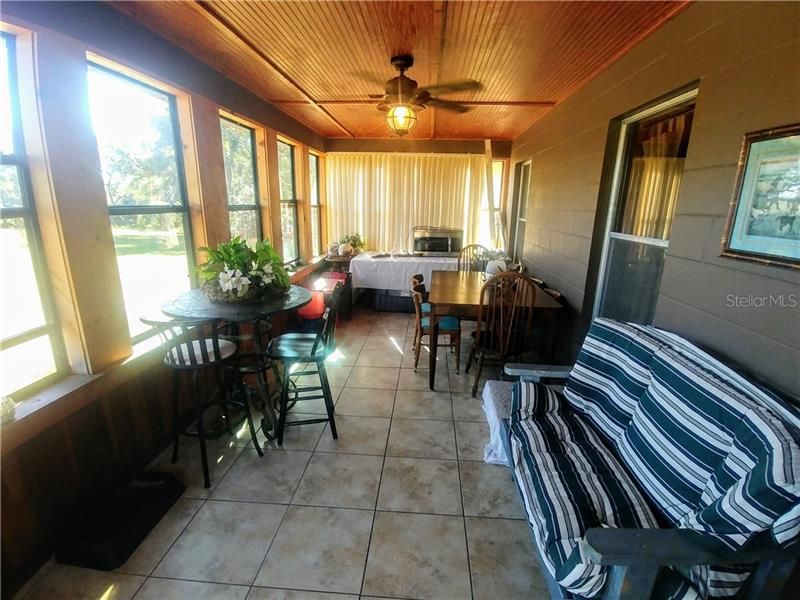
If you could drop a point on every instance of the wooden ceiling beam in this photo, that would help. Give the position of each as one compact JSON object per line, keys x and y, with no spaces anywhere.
{"x":308,"y":100}
{"x":543,"y":104}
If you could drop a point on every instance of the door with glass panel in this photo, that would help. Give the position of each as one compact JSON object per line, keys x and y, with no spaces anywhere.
{"x":647,"y":178}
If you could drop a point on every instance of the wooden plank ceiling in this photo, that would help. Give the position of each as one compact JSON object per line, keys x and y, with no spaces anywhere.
{"x":318,"y":61}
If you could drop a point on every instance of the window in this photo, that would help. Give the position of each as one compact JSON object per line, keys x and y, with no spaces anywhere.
{"x":286,"y":178}
{"x":316,"y":223}
{"x":31,"y":350}
{"x":520,"y":219}
{"x":647,"y":177}
{"x":137,"y":135}
{"x":239,"y":154}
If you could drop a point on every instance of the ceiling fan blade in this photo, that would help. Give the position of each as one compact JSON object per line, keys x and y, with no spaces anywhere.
{"x":453,"y":86}
{"x":376,"y":96}
{"x":447,"y":105}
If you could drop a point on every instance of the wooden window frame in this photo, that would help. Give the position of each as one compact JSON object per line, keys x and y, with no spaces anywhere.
{"x":27,"y":213}
{"x":296,"y":202}
{"x":256,"y":206}
{"x":183,"y":208}
{"x":319,"y":207}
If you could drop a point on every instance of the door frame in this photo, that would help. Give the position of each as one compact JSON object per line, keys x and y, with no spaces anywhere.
{"x":616,"y":184}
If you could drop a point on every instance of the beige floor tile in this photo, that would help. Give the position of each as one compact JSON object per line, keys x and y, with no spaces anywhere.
{"x":337,"y":376}
{"x":420,"y":379}
{"x":321,"y":549}
{"x":417,"y":556}
{"x":467,"y":408}
{"x":174,"y":589}
{"x":421,"y":485}
{"x":418,"y":438}
{"x":423,"y":405}
{"x":383,"y":342}
{"x":340,"y":480}
{"x":189,"y":470}
{"x":503,"y":560}
{"x":63,"y":582}
{"x":224,"y":543}
{"x":489,"y":491}
{"x":259,"y":593}
{"x":380,"y":358}
{"x":357,"y":435}
{"x":471,"y":439}
{"x":375,"y":378}
{"x":241,"y":433}
{"x":363,"y":402}
{"x":145,"y":558}
{"x":269,"y":478}
{"x":300,"y":437}
{"x":425,"y":359}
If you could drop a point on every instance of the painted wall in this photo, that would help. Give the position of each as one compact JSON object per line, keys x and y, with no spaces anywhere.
{"x":112,"y":34}
{"x":745,"y":57}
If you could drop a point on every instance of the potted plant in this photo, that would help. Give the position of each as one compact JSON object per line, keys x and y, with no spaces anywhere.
{"x":234,"y":272}
{"x":349,"y":245}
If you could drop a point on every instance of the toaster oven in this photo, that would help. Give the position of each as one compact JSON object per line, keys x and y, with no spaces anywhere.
{"x":437,"y":241}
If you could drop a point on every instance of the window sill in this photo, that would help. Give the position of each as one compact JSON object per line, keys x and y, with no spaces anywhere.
{"x":69,"y":394}
{"x":306,"y":270}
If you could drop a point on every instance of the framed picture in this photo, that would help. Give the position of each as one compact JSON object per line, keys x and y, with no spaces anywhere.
{"x":764,"y":219}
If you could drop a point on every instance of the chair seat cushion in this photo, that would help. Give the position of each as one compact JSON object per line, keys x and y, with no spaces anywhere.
{"x":226,"y":350}
{"x":315,"y":308}
{"x":445,"y":323}
{"x":426,"y":308}
{"x":295,"y":346}
{"x":570,"y":481}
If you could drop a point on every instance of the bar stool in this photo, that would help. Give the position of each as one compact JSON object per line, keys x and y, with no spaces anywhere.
{"x":193,"y":346}
{"x":291,"y":348}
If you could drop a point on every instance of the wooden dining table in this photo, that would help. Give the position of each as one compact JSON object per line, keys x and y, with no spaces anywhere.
{"x":458,"y":294}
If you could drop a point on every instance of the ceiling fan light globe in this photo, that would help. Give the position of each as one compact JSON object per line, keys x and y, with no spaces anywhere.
{"x":401,"y":119}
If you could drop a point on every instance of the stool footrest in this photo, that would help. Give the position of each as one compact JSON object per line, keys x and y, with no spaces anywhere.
{"x":305,"y":422}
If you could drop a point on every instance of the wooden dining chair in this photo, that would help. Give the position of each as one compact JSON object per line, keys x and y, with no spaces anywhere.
{"x":449,"y":326}
{"x":473,"y":258}
{"x":417,"y":281}
{"x":505,"y":318}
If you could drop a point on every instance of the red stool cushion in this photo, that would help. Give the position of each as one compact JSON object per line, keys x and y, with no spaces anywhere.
{"x":314,"y":309}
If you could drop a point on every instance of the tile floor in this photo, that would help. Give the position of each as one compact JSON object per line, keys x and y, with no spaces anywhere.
{"x":401,"y":506}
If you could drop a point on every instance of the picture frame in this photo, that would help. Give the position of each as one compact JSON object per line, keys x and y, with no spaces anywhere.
{"x":764,"y":217}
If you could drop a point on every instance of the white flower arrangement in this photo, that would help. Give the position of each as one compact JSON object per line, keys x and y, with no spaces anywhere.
{"x":236,"y":273}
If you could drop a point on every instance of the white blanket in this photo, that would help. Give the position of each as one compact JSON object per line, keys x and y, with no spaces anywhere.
{"x":496,"y":406}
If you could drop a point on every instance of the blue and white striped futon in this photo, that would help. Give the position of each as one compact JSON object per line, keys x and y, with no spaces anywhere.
{"x":650,"y":431}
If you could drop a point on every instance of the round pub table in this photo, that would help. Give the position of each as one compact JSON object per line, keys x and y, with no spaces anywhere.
{"x":194,"y":304}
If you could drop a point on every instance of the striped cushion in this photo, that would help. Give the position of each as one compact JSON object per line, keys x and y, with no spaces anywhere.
{"x":532,"y":399}
{"x":611,"y":374}
{"x":713,"y":458}
{"x":569,"y":482}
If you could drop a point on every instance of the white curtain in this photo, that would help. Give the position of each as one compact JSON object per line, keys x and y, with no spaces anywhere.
{"x":382,"y":196}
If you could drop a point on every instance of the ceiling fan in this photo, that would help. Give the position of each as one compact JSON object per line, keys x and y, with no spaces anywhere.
{"x":403,"y":98}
